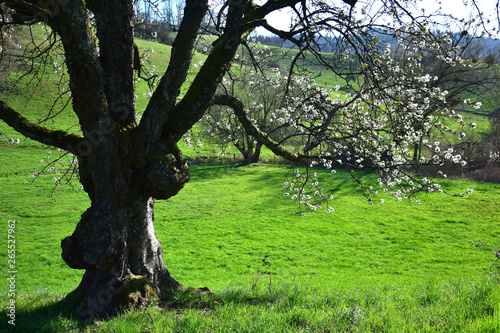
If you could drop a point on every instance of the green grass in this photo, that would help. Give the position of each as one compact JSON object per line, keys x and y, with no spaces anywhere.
{"x":394,"y":266}
{"x":392,"y":241}
{"x":457,"y":306}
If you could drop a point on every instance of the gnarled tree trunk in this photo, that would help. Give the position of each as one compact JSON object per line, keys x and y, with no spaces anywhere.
{"x":115,"y":241}
{"x":122,"y":257}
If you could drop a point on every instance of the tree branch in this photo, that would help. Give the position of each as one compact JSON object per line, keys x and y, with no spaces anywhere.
{"x":165,"y":96}
{"x":251,"y":129}
{"x":197,"y":99}
{"x":116,"y":50}
{"x":60,"y":139}
{"x":72,"y":23}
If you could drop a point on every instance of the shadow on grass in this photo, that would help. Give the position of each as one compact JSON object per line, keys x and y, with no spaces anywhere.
{"x":212,"y":170}
{"x":40,"y":313}
{"x":44,"y":312}
{"x":458,"y":305}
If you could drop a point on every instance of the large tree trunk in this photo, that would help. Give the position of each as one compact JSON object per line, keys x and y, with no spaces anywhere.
{"x":122,"y":257}
{"x":115,"y":241}
{"x":124,"y":166}
{"x":106,"y":244}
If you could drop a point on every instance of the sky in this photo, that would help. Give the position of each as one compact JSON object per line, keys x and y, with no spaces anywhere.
{"x":454,"y":7}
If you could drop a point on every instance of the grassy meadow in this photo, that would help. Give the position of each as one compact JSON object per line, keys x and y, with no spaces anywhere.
{"x":391,"y":267}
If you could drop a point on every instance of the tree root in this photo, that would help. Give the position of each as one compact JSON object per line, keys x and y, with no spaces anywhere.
{"x":102,"y":295}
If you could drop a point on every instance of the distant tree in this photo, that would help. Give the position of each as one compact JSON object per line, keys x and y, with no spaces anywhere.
{"x":265,"y":91}
{"x":493,"y":139}
{"x":125,"y":165}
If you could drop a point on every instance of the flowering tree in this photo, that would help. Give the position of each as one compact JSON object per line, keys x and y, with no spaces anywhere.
{"x":468,"y":68}
{"x":125,"y":165}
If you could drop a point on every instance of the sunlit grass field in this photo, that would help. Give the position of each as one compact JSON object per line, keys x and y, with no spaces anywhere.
{"x":393,"y":266}
{"x":220,"y":227}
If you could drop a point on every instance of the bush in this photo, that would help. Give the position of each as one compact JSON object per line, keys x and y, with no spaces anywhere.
{"x":489,"y":152}
{"x":160,"y":33}
{"x":482,"y":153}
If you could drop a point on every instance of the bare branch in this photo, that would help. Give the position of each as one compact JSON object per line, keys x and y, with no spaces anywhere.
{"x":165,"y":96}
{"x":60,"y":139}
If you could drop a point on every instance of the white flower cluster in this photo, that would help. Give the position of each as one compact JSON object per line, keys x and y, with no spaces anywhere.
{"x":147,"y":73}
{"x":304,"y":188}
{"x":381,"y":127}
{"x":13,"y":142}
{"x":204,"y":44}
{"x":64,"y":167}
{"x":476,"y":105}
{"x":188,"y":141}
